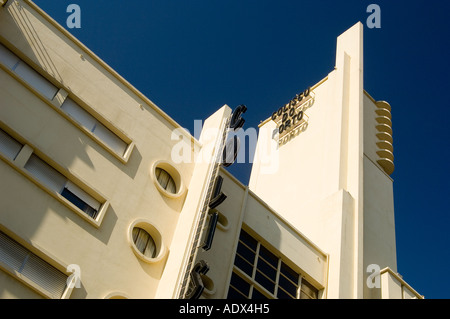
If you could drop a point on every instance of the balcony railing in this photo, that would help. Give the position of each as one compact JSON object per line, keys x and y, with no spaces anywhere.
{"x":394,"y":287}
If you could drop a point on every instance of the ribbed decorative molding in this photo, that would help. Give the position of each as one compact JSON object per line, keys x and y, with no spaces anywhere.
{"x":385,"y":146}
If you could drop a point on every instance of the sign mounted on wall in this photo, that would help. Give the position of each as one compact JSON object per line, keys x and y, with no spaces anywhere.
{"x":193,"y":286}
{"x":291,"y":118}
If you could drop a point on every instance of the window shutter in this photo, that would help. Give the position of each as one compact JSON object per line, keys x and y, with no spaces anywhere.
{"x":144,"y":242}
{"x":11,"y":254}
{"x":19,"y":259}
{"x":27,"y":73}
{"x":78,"y":114}
{"x":140,"y":238}
{"x":8,"y":58}
{"x":165,"y":180}
{"x":36,"y":80}
{"x":110,"y":139}
{"x":93,"y":125}
{"x":171,"y":187}
{"x":9,"y":146}
{"x":150,"y":249}
{"x":45,"y":173}
{"x":45,"y":275}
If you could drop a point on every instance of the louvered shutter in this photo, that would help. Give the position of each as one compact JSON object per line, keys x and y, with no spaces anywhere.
{"x":19,"y":259}
{"x":110,"y":139}
{"x":36,"y":80}
{"x":165,"y":180}
{"x":45,"y":275}
{"x":11,"y":253}
{"x":8,"y":58}
{"x":45,"y":173}
{"x":9,"y":146}
{"x":78,"y":114}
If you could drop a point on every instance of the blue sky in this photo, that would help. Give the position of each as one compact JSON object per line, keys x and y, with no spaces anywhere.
{"x":192,"y":57}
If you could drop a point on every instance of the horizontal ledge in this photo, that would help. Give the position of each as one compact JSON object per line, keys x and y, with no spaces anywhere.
{"x":383,"y":105}
{"x":387,"y":165}
{"x":384,"y":136}
{"x":384,"y":112}
{"x":384,"y":153}
{"x":385,"y":145}
{"x":384,"y":128}
{"x":384,"y":120}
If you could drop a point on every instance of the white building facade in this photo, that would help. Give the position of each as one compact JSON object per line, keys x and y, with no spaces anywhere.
{"x":93,"y":203}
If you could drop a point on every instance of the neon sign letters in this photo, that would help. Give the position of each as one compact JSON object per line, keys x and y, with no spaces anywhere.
{"x":228,"y":157}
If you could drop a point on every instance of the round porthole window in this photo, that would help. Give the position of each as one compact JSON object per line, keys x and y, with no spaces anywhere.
{"x":146,"y":241}
{"x":117,"y":295}
{"x":167,"y":179}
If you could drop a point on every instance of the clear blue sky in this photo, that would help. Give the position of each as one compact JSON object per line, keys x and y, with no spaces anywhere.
{"x":192,"y":57}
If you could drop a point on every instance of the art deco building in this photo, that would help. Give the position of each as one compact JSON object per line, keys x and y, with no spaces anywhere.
{"x":103,"y":195}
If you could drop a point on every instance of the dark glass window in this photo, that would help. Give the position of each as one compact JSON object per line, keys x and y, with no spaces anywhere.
{"x":248,"y":240}
{"x":256,"y":294}
{"x":288,"y":285}
{"x":268,"y":256}
{"x":239,"y":288}
{"x":246,"y":253}
{"x":289,"y":273}
{"x":233,"y":293}
{"x":265,"y":282}
{"x":284,"y":295}
{"x":74,"y":199}
{"x":267,"y":269}
{"x":243,"y":265}
{"x":265,"y":274}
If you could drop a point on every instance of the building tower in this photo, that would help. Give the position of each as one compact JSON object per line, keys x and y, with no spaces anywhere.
{"x":329,"y":171}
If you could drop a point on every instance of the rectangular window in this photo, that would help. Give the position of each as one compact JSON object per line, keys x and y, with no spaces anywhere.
{"x":46,"y":174}
{"x":57,"y":182}
{"x":259,"y":273}
{"x":69,"y":106}
{"x":308,"y":291}
{"x":27,"y":73}
{"x":9,"y":146}
{"x":81,"y":199}
{"x":89,"y":122}
{"x":15,"y":258}
{"x":9,"y":59}
{"x":239,"y":288}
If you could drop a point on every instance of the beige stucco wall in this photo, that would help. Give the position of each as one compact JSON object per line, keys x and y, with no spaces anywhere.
{"x":321,"y":200}
{"x":243,"y":208}
{"x":177,"y":264}
{"x":320,"y":170}
{"x":379,"y":219}
{"x":333,"y":190}
{"x":44,"y":223}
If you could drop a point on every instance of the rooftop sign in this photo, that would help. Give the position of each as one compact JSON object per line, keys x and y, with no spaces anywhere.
{"x":291,"y":118}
